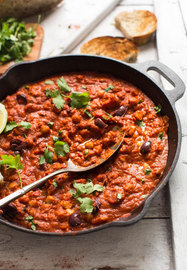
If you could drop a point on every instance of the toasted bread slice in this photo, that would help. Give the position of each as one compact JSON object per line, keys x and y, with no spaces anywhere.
{"x":137,"y":25}
{"x":35,"y":51}
{"x":115,"y":47}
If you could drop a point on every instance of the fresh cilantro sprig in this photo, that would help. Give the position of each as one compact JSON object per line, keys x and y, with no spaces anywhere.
{"x":30,"y":219}
{"x":61,"y":148}
{"x":86,"y":204}
{"x":63,"y":86}
{"x":158,"y":108}
{"x":12,"y":124}
{"x":15,"y":40}
{"x":140,"y":123}
{"x":57,"y":98}
{"x":12,"y":163}
{"x":79,"y":100}
{"x":110,"y":87}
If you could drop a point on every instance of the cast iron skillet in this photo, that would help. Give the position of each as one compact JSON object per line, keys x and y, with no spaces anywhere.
{"x":28,"y":72}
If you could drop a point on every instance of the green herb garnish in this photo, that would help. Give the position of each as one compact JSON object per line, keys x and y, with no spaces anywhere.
{"x":147,"y":171}
{"x":84,"y":87}
{"x":63,"y":86}
{"x":87,"y":188}
{"x":160,"y":135}
{"x":48,"y":155}
{"x":15,"y":40}
{"x":12,"y":163}
{"x":88,"y":113}
{"x":57,"y":98}
{"x":109,"y":115}
{"x":86,"y":205}
{"x":140,"y":123}
{"x":61,"y":148}
{"x":139,"y":101}
{"x":12,"y":124}
{"x":110,"y":87}
{"x":55,"y":139}
{"x":41,"y":160}
{"x":50,"y":124}
{"x":157,"y":108}
{"x":55,"y":185}
{"x":30,"y":219}
{"x":79,"y":100}
{"x":86,"y":151}
{"x":48,"y":82}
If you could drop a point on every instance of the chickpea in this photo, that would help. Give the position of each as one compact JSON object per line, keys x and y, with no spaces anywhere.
{"x":45,"y":130}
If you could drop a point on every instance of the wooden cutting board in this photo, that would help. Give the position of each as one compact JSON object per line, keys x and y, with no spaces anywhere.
{"x":35,"y":52}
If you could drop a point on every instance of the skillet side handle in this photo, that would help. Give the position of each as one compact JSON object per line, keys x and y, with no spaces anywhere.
{"x":168,"y":74}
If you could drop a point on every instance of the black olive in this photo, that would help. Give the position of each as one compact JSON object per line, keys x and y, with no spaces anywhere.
{"x":146,"y":147}
{"x":96,"y":206}
{"x":21,"y":99}
{"x":121,"y":111}
{"x":9,"y":211}
{"x":98,"y":122}
{"x":17,"y":145}
{"x":75,"y":219}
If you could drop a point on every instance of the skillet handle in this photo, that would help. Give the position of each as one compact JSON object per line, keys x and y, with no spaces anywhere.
{"x":168,"y":74}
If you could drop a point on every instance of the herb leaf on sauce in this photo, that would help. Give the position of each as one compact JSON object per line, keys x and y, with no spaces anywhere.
{"x":140,"y":123}
{"x":86,"y":205}
{"x":62,"y":84}
{"x":160,"y":135}
{"x":12,"y":163}
{"x":42,"y":160}
{"x":61,"y":148}
{"x":119,"y":196}
{"x":157,"y":108}
{"x":110,"y":87}
{"x":12,"y":124}
{"x":48,"y":82}
{"x":48,"y":155}
{"x":87,"y":188}
{"x":147,"y":171}
{"x":88,"y":113}
{"x":79,"y":100}
{"x":57,"y":98}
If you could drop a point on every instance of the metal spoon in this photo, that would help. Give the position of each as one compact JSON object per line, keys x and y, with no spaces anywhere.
{"x":71,"y":167}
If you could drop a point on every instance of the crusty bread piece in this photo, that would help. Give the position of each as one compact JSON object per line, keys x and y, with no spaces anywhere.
{"x":115,"y":47}
{"x":35,"y":51}
{"x":25,"y":8}
{"x":137,"y":25}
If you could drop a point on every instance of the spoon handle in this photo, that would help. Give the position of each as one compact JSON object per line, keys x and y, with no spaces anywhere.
{"x":20,"y":192}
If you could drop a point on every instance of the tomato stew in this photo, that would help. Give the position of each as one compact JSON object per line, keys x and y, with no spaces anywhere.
{"x":78,"y":116}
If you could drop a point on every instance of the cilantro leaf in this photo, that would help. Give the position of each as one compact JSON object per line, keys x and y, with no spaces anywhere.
{"x":110,"y":87}
{"x":61,"y":148}
{"x":59,"y":102}
{"x":88,"y":113}
{"x":157,"y":108}
{"x":62,"y":84}
{"x":160,"y":135}
{"x":119,"y":196}
{"x":29,"y":218}
{"x":25,"y":124}
{"x":87,"y":188}
{"x":147,"y":171}
{"x":50,"y":124}
{"x":86,"y":205}
{"x":55,"y":185}
{"x":12,"y":124}
{"x":12,"y":163}
{"x":42,"y":160}
{"x":48,"y":155}
{"x":48,"y":82}
{"x":79,"y":100}
{"x":140,"y":123}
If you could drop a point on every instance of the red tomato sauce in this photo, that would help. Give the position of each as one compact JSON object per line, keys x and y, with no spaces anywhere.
{"x":72,"y":201}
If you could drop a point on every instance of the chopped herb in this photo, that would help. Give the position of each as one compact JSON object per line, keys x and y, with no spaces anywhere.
{"x":16,"y":40}
{"x":12,"y":124}
{"x":60,"y":132}
{"x":55,"y":139}
{"x":29,"y":219}
{"x":62,"y":84}
{"x":147,"y":171}
{"x":12,"y":163}
{"x":50,"y":124}
{"x":119,"y":196}
{"x":105,"y":118}
{"x":160,"y":135}
{"x":89,"y":180}
{"x":142,"y":180}
{"x":86,"y":205}
{"x":110,"y":87}
{"x":157,"y":108}
{"x":139,"y":101}
{"x":48,"y":155}
{"x":109,"y":115}
{"x":55,"y":185}
{"x":33,"y":226}
{"x":88,"y":113}
{"x":86,"y":151}
{"x":140,"y":123}
{"x":79,"y":100}
{"x":61,"y":148}
{"x":144,"y":196}
{"x":84,"y":87}
{"x":27,"y":86}
{"x":48,"y":82}
{"x":87,"y":188}
{"x":57,"y":98}
{"x":42,"y":160}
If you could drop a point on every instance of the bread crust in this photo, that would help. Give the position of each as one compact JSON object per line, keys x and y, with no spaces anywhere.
{"x":137,"y":25}
{"x":116,"y":47}
{"x":36,"y":48}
